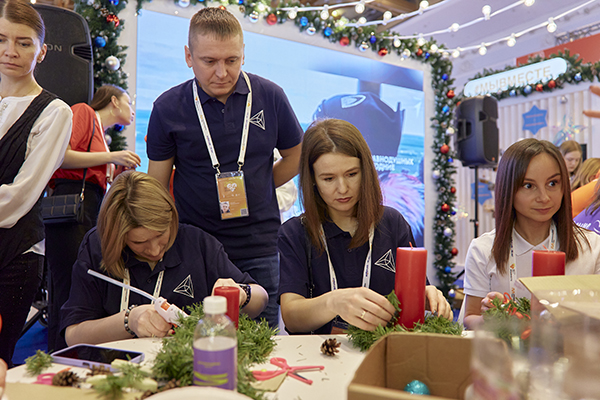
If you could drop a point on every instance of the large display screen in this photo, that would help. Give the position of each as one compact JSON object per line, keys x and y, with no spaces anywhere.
{"x":384,"y":101}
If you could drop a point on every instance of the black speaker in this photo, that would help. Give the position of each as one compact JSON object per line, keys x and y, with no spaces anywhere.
{"x":67,"y":70}
{"x":476,"y":140}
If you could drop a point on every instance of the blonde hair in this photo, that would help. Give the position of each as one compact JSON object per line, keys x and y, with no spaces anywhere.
{"x":216,"y":22}
{"x":134,"y":200}
{"x":586,"y":173}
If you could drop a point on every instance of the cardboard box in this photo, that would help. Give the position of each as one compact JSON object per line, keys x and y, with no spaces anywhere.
{"x":442,"y":362}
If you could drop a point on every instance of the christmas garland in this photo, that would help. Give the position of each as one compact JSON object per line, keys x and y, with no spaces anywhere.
{"x":576,"y":72}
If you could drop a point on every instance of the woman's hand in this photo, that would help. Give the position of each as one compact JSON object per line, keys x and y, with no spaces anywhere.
{"x":146,"y":322}
{"x":361,"y":307}
{"x":437,"y":303}
{"x":231,"y":283}
{"x":125,"y":158}
{"x":486,"y":302}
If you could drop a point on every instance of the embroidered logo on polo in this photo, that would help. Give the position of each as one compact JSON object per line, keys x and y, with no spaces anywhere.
{"x":387,"y":261}
{"x":186,"y":287}
{"x":258,"y":119}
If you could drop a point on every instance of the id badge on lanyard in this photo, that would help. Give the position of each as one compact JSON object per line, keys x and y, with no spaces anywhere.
{"x":232,"y":194}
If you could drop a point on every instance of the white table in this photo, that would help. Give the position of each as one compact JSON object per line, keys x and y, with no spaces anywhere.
{"x":331,"y":383}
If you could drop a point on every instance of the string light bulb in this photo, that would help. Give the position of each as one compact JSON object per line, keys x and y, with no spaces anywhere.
{"x":397,"y":41}
{"x":529,"y":3}
{"x":433,"y":48}
{"x":324,"y":12}
{"x":292,"y":14}
{"x":482,"y":49}
{"x":420,"y":40}
{"x":261,"y":7}
{"x":362,"y":20}
{"x":512,"y":40}
{"x":454,"y":27}
{"x":423,"y":5}
{"x":387,"y":16}
{"x":360,"y":7}
{"x":551,"y":25}
{"x":456,"y":53}
{"x":486,"y":10}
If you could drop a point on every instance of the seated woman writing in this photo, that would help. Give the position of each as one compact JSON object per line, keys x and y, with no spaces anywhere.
{"x":139,"y":240}
{"x":329,"y":257}
{"x":533,"y":212}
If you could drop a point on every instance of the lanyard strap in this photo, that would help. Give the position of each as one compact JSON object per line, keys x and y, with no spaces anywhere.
{"x":206,"y":132}
{"x":512,"y":261}
{"x":125,"y":291}
{"x":366,"y":281}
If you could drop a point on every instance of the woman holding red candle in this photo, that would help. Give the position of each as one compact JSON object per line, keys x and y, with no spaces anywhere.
{"x":139,"y":240}
{"x":533,"y":212}
{"x":337,"y":259}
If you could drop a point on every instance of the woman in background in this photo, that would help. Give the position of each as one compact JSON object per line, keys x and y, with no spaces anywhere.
{"x":589,"y":171}
{"x":352,"y":238}
{"x":111,"y":105}
{"x":572,"y":154}
{"x":34,"y":133}
{"x":532,"y":212}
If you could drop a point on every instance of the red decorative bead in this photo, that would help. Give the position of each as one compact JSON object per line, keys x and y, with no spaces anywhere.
{"x":454,"y":251}
{"x":344,"y":41}
{"x":222,"y":7}
{"x":452,"y":190}
{"x":552,"y":84}
{"x":444,"y":149}
{"x":382,"y":52}
{"x":450,"y":94}
{"x":113,"y":18}
{"x":539,"y":87}
{"x":271,"y":19}
{"x":445,"y":207}
{"x":419,"y":52}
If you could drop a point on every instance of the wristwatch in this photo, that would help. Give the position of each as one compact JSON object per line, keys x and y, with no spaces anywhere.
{"x":248,"y":291}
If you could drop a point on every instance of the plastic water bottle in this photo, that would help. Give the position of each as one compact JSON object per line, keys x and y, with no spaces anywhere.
{"x":215,"y":347}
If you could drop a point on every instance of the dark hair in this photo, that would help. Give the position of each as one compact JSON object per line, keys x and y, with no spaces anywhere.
{"x":21,"y":12}
{"x":214,"y":21}
{"x":338,"y":136}
{"x":511,"y":175}
{"x":104,"y":94}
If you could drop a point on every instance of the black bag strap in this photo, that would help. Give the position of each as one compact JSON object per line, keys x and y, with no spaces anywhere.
{"x":81,"y":196}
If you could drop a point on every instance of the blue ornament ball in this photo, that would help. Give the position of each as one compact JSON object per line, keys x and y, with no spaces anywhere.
{"x":577,"y":76}
{"x":451,"y":293}
{"x":416,"y":387}
{"x":99,"y":41}
{"x":453,"y":212}
{"x":114,"y":2}
{"x":450,"y":160}
{"x":241,"y":2}
{"x":427,"y":55}
{"x":445,"y":77}
{"x":118,"y":128}
{"x":512,"y":93}
{"x":327,"y":31}
{"x":303,"y":21}
{"x":527,"y":89}
{"x":373,"y":39}
{"x":445,"y":109}
{"x":447,"y":270}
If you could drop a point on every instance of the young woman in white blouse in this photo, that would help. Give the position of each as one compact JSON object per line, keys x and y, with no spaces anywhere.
{"x":532,"y":212}
{"x":34,"y":133}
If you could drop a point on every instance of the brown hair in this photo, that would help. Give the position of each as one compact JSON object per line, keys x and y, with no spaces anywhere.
{"x":511,"y":175}
{"x":134,"y":200}
{"x":586,"y":173}
{"x":21,"y":12}
{"x":569,"y":146}
{"x":214,"y":21}
{"x":104,"y":94}
{"x":338,"y":136}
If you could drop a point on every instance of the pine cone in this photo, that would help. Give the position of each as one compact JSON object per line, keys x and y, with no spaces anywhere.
{"x":65,"y":378}
{"x":330,"y":347}
{"x":99,"y":370}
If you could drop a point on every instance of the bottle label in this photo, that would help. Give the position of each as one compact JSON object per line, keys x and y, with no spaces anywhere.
{"x":216,"y":368}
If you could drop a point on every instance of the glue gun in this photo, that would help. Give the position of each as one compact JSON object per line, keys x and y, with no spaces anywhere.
{"x":170,"y":312}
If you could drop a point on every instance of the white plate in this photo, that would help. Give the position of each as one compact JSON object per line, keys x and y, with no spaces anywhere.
{"x":197,"y":392}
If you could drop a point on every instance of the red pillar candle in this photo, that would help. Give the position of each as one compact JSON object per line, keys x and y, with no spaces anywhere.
{"x":411,"y":269}
{"x":547,"y":263}
{"x":232,"y":294}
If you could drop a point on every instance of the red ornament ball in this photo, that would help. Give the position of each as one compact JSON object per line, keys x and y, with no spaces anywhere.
{"x":452,"y":190}
{"x":419,"y":52}
{"x":450,"y":94}
{"x":113,"y":18}
{"x":222,"y":7}
{"x":271,"y":19}
{"x":454,"y":251}
{"x":444,"y":149}
{"x":552,"y":84}
{"x":344,"y":41}
{"x":445,"y":207}
{"x":382,"y":52}
{"x":539,"y":87}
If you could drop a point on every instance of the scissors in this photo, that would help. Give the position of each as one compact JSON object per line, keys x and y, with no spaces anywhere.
{"x":286,"y":369}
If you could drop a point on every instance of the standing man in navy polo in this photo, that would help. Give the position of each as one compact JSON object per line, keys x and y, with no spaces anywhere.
{"x":219,"y":130}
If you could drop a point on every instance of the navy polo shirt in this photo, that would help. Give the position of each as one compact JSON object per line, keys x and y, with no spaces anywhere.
{"x":174,"y":131}
{"x":393,"y":231}
{"x":192,"y":266}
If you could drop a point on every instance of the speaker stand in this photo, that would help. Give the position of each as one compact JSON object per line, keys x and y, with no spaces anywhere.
{"x":475,"y":220}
